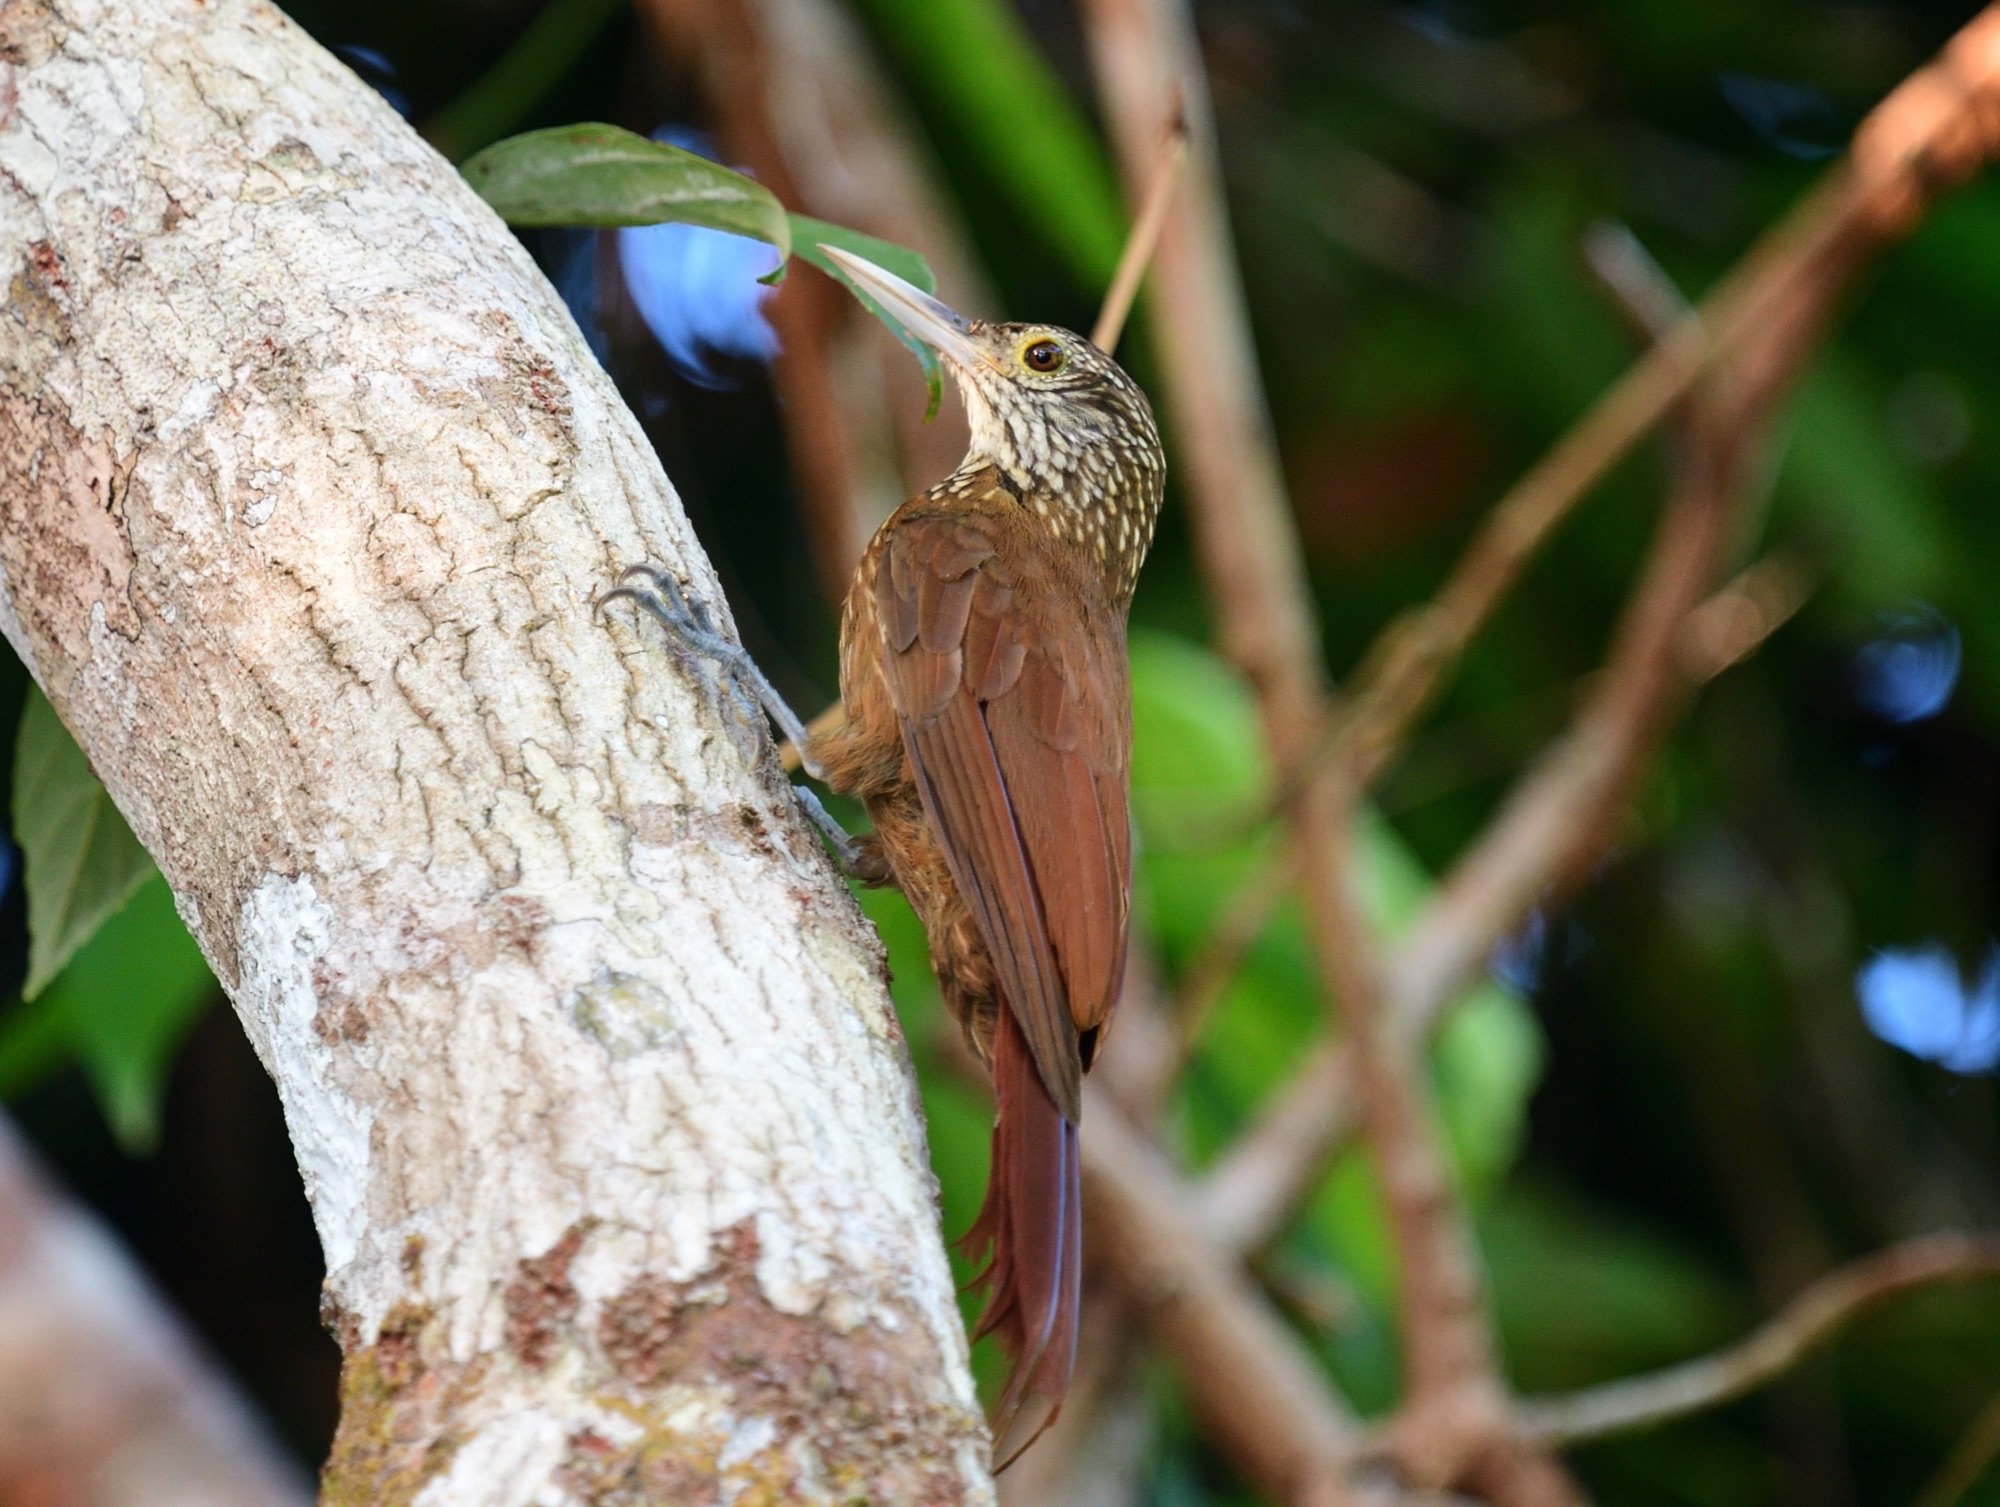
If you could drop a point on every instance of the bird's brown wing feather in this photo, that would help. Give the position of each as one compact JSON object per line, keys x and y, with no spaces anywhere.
{"x":1012,"y":697}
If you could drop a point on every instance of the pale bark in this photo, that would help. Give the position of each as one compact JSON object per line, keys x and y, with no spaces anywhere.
{"x":105,"y":1401}
{"x":308,"y":488}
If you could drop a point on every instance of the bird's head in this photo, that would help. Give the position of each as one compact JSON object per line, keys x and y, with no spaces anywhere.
{"x":1069,"y":430}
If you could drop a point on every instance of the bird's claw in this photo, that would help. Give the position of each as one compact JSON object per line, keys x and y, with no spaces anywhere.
{"x":858,"y":860}
{"x":663,"y":598}
{"x":660,"y":595}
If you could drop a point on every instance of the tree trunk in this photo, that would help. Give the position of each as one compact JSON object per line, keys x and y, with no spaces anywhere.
{"x":309,"y":485}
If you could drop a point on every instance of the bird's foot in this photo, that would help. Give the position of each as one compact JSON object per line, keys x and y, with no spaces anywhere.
{"x":858,"y":858}
{"x":659,"y":595}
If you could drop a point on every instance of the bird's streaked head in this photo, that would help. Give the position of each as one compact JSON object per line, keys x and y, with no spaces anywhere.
{"x":1069,"y":430}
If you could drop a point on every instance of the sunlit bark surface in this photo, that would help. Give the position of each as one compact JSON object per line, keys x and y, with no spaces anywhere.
{"x":306,"y":487}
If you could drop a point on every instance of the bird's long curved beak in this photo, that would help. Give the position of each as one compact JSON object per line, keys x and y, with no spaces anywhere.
{"x":934,"y":322}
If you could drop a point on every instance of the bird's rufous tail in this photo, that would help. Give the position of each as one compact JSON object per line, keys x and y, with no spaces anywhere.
{"x":1032,"y":1226}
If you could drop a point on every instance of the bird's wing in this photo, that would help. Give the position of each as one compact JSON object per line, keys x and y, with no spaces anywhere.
{"x":1014,"y":709}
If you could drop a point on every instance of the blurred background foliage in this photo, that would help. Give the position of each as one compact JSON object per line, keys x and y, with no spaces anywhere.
{"x":1762,"y":1042}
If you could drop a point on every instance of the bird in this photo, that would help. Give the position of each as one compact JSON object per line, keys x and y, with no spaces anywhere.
{"x":987,"y":732}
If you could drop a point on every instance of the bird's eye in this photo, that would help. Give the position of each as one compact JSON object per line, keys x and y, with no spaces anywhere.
{"x":1043,"y":356}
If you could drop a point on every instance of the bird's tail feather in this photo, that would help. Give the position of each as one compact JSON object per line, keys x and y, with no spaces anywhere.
{"x":1032,"y":1227}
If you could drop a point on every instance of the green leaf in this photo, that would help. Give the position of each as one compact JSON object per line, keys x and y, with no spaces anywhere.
{"x":1878,"y":517}
{"x":603,"y":176}
{"x":1583,"y":1294}
{"x":81,"y":861}
{"x":808,"y":235}
{"x":1486,"y":1062}
{"x":120,"y":1009}
{"x":593,"y":174}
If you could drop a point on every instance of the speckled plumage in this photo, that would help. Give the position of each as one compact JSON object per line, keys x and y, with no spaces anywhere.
{"x":1078,"y":448}
{"x":988,"y":733}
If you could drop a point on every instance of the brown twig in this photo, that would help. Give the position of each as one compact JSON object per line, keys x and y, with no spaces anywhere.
{"x":1929,"y":135}
{"x":1562,"y":813}
{"x":1643,"y":292}
{"x":1253,"y":1190}
{"x":1255,"y":1187}
{"x":1260,"y":1395}
{"x":1148,"y":73}
{"x":1452,"y":1393}
{"x":1143,"y":239}
{"x":1909,"y":150}
{"x":1146,"y":64}
{"x":1554,"y":820}
{"x":1727,"y":628}
{"x":1401,"y":672}
{"x":1812,"y":1318}
{"x":1148,"y":1062}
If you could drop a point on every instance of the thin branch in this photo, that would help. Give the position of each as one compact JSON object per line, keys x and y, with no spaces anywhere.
{"x":1253,"y":1190}
{"x":1644,"y":292}
{"x":1451,"y":1378}
{"x":1727,"y":629}
{"x":1401,"y":672}
{"x":1908,"y":151}
{"x":1931,"y":134}
{"x":1563,"y":813}
{"x":1148,"y":69}
{"x":1260,"y":1394}
{"x":1144,"y":238}
{"x":1141,"y":1074}
{"x":1148,"y":72}
{"x":1813,"y":1318}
